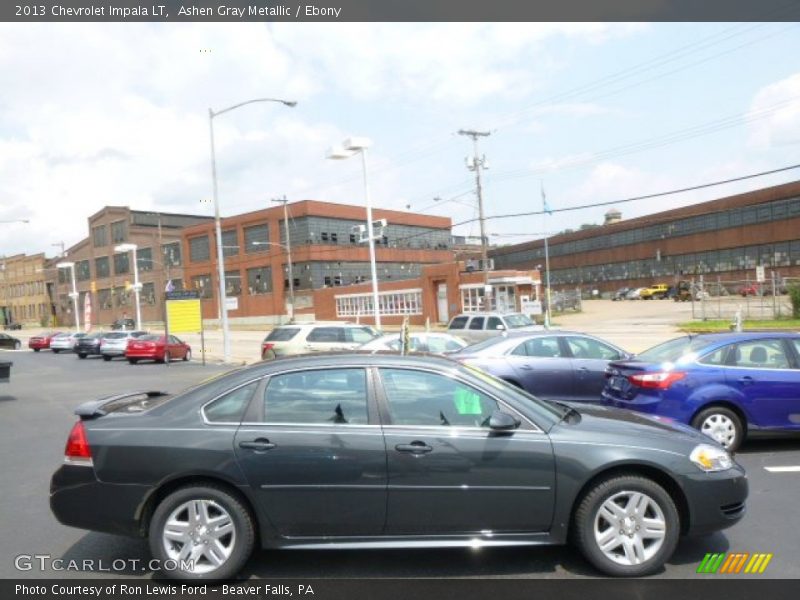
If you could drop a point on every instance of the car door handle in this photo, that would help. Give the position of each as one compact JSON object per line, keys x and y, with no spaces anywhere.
{"x":526,"y":367}
{"x":415,"y":447}
{"x":746,"y":380}
{"x":259,"y":445}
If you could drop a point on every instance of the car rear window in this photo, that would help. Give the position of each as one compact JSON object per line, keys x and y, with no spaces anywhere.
{"x":674,"y":349}
{"x":150,"y":338}
{"x":458,"y":323}
{"x":282,"y":334}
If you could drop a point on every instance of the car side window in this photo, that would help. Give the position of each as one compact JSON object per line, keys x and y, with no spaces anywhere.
{"x":762,"y":354}
{"x":520,"y":350}
{"x":320,"y":396}
{"x":358,"y":335}
{"x":476,"y":323}
{"x":230,"y":407}
{"x":716,"y":358}
{"x":458,"y":323}
{"x":588,"y":348}
{"x":796,"y":346}
{"x":494,"y":322}
{"x":543,"y":347}
{"x":326,"y":335}
{"x":423,"y":398}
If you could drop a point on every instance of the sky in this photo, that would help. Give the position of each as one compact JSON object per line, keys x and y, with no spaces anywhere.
{"x":117,"y":114}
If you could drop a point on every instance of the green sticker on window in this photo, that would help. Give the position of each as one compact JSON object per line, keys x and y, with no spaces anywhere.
{"x":467,"y":402}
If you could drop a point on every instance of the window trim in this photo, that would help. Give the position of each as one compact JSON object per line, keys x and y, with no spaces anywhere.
{"x":259,"y":379}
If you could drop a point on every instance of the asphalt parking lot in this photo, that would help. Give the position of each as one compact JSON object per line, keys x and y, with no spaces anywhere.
{"x":37,"y":414}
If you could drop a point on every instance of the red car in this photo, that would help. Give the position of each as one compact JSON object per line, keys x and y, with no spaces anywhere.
{"x":752,"y":289}
{"x":42,"y":340}
{"x":156,"y":347}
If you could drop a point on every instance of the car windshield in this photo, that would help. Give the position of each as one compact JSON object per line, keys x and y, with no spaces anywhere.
{"x":516,"y":321}
{"x":673,"y":350}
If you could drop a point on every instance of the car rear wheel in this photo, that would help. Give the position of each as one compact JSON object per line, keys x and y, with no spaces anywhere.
{"x":36,"y":349}
{"x":54,"y":350}
{"x":207,"y":528}
{"x":106,"y":357}
{"x":133,"y":361}
{"x":17,"y":345}
{"x":81,"y":355}
{"x":627,"y":526}
{"x":722,"y":425}
{"x":166,"y":358}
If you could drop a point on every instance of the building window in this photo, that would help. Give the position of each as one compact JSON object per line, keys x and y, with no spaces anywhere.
{"x":472,"y":299}
{"x":202,"y":283}
{"x":230,"y":243}
{"x":171,"y":254}
{"x":119,"y":231}
{"x":121,"y":263}
{"x":177,"y":284}
{"x":256,"y":239}
{"x":353,"y":239}
{"x":199,"y":249}
{"x":122,"y":297}
{"x":148,"y":294}
{"x":324,"y":236}
{"x":233,"y":283}
{"x":82,"y":272}
{"x":101,"y":267}
{"x":400,"y":302}
{"x":334,"y":238}
{"x":99,"y":236}
{"x":144,"y":259}
{"x":259,"y":280}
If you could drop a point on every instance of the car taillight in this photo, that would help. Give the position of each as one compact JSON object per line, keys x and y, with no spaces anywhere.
{"x":659,"y":381}
{"x":267,"y":346}
{"x":77,"y":450}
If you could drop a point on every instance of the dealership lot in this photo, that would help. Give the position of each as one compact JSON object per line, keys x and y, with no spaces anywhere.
{"x":37,"y":414}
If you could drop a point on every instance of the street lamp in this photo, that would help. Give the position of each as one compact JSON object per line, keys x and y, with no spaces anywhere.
{"x":350,"y":147}
{"x":226,"y":343}
{"x":74,"y":294}
{"x":136,"y":285}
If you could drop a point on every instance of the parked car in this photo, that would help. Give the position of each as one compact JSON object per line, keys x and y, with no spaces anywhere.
{"x":620,"y":294}
{"x":553,"y":365}
{"x":436,"y":343}
{"x":634,"y":294}
{"x":751,"y":289}
{"x":656,"y":291}
{"x":123,"y":324}
{"x":89,"y":344}
{"x":65,"y":342}
{"x":474,"y":327}
{"x":9,"y":343}
{"x":114,"y":343}
{"x":12,"y":326}
{"x":481,"y":463}
{"x":158,"y":348}
{"x":319,"y":336}
{"x":42,"y":341}
{"x":727,"y":385}
{"x":683,"y":292}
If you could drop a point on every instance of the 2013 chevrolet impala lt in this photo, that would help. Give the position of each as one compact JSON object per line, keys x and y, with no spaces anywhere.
{"x":377,"y":451}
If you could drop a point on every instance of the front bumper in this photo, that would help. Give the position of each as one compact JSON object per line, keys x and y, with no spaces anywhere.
{"x":716,"y":500}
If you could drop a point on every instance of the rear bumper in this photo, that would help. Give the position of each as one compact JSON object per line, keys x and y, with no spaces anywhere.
{"x":78,"y":499}
{"x":143,"y":355}
{"x":716,"y":500}
{"x":87,"y":350}
{"x":112,"y":351}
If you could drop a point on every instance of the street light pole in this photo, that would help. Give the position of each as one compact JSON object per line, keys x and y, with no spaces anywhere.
{"x":288,"y":254}
{"x":74,"y":294}
{"x":223,"y":309}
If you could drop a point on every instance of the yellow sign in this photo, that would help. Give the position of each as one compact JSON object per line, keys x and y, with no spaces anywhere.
{"x":93,"y":287}
{"x":183,"y":316}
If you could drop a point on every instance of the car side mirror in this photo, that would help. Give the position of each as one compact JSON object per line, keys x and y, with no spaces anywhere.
{"x":501,"y":421}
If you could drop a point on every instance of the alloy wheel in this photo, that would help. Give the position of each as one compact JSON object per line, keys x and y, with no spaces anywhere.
{"x":630,"y":528}
{"x":200,"y":533}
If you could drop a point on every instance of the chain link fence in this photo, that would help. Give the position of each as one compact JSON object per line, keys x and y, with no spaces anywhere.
{"x":714,"y":298}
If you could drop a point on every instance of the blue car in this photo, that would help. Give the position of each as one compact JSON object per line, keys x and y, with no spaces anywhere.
{"x":727,"y":385}
{"x":551,"y":365}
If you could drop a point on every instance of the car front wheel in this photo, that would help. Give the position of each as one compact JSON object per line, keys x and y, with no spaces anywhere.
{"x":204,"y":531}
{"x":722,"y":425}
{"x":17,"y":346}
{"x":188,"y":355}
{"x":627,"y":526}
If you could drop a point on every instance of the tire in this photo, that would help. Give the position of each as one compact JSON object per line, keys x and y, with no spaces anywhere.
{"x":721,"y":424}
{"x":106,"y":357}
{"x":81,"y":355}
{"x":187,"y":356}
{"x":36,"y":349}
{"x":54,"y":350}
{"x":17,"y":346}
{"x":133,"y":361}
{"x":166,"y":358}
{"x":234,"y":546}
{"x":593,"y":523}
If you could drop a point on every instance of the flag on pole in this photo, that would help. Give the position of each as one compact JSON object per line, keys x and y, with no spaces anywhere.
{"x":545,"y":206}
{"x":170,"y":287}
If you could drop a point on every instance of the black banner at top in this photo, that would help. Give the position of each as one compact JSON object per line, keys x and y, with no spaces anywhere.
{"x":398,"y":10}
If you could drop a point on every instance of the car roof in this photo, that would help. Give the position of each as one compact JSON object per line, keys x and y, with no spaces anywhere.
{"x":737,"y":336}
{"x":488,"y":314}
{"x":333,"y":359}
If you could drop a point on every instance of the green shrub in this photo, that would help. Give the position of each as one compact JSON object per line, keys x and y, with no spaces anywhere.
{"x":794,"y":296}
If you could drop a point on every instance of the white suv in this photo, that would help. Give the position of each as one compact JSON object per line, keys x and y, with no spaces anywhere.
{"x":474,"y":327}
{"x":303,"y":338}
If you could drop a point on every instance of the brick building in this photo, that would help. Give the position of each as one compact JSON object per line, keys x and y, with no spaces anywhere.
{"x":23,"y":290}
{"x":727,"y":237}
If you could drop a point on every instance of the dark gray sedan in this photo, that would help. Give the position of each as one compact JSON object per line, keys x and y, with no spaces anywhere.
{"x":380,"y":451}
{"x":559,"y":365}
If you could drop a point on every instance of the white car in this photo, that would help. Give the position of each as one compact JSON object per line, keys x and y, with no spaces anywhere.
{"x":65,"y":342}
{"x":114,"y":343}
{"x":437,"y":343}
{"x":319,"y":336}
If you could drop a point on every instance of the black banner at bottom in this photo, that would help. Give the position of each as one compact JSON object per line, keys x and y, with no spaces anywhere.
{"x":716,"y":588}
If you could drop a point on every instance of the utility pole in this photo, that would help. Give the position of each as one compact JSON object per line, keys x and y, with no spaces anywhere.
{"x":288,"y":248}
{"x":476,"y":164}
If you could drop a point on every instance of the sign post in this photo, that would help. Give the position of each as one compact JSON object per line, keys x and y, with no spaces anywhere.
{"x":184,"y":315}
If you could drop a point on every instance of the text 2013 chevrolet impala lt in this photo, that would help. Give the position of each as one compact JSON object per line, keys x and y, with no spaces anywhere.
{"x":377,"y":451}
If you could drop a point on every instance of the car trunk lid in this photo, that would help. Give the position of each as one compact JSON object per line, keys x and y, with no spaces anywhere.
{"x":128,"y":403}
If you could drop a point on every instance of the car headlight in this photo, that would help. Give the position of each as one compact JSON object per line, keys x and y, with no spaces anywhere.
{"x":710,"y":458}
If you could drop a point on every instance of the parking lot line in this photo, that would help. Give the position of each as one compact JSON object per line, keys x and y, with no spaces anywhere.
{"x":789,"y":469}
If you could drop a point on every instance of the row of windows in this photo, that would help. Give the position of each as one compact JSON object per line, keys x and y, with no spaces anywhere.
{"x":777,"y":210}
{"x":401,"y":302}
{"x":24,"y":312}
{"x":17,"y":290}
{"x":259,"y":281}
{"x":171,"y":257}
{"x":256,"y":239}
{"x":782,"y":254}
{"x":119,"y":233}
